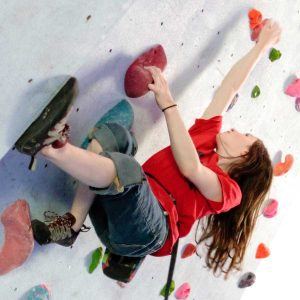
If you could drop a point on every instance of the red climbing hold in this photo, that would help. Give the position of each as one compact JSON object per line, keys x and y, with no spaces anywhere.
{"x":189,"y":250}
{"x":262,"y":251}
{"x":137,"y":78}
{"x":18,"y":243}
{"x":256,"y":31}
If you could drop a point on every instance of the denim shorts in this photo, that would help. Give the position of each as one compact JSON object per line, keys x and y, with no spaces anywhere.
{"x":126,"y":215}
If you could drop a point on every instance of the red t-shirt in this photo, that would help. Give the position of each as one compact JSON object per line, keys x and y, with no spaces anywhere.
{"x":190,"y":205}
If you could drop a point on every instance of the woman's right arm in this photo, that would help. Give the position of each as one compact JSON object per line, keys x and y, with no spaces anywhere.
{"x":239,"y":73}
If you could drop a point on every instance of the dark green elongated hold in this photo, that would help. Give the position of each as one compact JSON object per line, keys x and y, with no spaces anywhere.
{"x":172,"y":288}
{"x":255,"y":92}
{"x":96,"y":257}
{"x":274,"y":54}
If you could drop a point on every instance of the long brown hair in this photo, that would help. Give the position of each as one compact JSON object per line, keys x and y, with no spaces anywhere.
{"x":231,"y":231}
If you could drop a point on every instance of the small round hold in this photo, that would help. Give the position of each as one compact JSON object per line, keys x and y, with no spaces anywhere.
{"x":247,"y":280}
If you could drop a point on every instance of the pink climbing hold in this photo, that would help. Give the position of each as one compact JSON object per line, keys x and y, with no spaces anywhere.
{"x":271,"y":209}
{"x":183,"y":291}
{"x":297,"y":104}
{"x":293,"y":88}
{"x":137,"y":78}
{"x":18,"y":243}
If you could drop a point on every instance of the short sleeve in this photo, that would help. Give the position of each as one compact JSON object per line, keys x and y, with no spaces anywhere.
{"x":203,"y":133}
{"x":231,"y":195}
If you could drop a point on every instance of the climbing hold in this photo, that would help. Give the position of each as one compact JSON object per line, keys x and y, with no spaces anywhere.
{"x":188,"y":250}
{"x":18,"y":243}
{"x":293,"y":88}
{"x":297,"y":104}
{"x":262,"y":251}
{"x":233,"y":102}
{"x":39,"y":292}
{"x":183,"y":291}
{"x":255,"y":92}
{"x":96,"y":257}
{"x":271,"y":209}
{"x":137,"y":78}
{"x":255,"y":18}
{"x":282,"y":168}
{"x":274,"y":54}
{"x":246,"y":280}
{"x":172,"y":288}
{"x":256,"y":24}
{"x":256,"y":31}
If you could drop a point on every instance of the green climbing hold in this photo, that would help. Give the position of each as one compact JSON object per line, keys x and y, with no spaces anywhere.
{"x":255,"y":92}
{"x":172,"y":288}
{"x":96,"y":257}
{"x":274,"y":54}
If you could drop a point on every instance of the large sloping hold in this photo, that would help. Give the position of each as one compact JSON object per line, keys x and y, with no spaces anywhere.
{"x":18,"y":242}
{"x":137,"y":78}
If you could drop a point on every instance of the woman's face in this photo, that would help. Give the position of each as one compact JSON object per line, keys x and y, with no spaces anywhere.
{"x":234,"y":143}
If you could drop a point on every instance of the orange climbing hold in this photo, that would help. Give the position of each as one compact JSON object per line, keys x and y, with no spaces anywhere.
{"x":282,"y":168}
{"x":262,"y":251}
{"x":256,"y":23}
{"x":255,"y":18}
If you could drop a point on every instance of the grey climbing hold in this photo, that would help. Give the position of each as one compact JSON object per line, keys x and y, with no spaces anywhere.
{"x":247,"y":280}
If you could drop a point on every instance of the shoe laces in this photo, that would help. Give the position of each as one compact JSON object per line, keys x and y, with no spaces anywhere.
{"x":59,"y":132}
{"x":59,"y":226}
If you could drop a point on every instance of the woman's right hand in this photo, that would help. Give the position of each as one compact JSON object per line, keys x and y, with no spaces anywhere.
{"x":160,"y":88}
{"x":270,"y":34}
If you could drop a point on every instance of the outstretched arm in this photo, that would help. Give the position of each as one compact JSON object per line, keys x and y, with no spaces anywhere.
{"x":238,"y":74}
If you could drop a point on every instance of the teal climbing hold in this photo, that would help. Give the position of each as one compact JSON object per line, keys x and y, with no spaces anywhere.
{"x":39,"y":292}
{"x":121,"y":113}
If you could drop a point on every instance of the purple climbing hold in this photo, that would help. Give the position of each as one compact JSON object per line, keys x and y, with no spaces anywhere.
{"x":297,"y":104}
{"x":246,"y":280}
{"x":233,"y":102}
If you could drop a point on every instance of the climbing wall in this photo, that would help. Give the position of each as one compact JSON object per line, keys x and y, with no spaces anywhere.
{"x":43,"y":42}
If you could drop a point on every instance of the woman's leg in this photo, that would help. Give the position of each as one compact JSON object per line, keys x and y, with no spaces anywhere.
{"x":84,"y":197}
{"x":81,"y":205}
{"x":64,"y":229}
{"x":88,"y":167}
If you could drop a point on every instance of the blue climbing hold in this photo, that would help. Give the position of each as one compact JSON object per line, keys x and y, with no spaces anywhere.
{"x":122,"y":113}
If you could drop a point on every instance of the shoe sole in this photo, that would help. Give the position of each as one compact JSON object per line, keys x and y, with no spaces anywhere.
{"x":32,"y":139}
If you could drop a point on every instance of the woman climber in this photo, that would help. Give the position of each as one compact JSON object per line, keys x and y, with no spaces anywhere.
{"x":139,"y":210}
